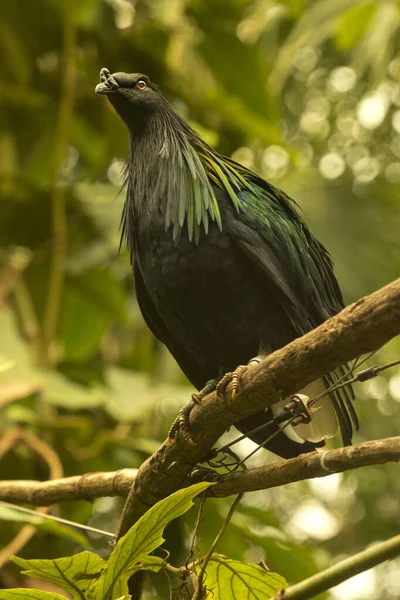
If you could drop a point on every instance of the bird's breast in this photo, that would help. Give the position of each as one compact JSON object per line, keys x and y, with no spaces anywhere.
{"x":161,"y":258}
{"x":206,"y":295}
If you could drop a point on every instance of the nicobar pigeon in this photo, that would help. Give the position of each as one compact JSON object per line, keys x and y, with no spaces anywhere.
{"x":225,"y":268}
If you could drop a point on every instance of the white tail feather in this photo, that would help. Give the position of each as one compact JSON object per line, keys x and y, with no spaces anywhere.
{"x":324,"y":423}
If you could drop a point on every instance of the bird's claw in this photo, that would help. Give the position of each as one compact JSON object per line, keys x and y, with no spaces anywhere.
{"x":234,"y":377}
{"x":182,"y":420}
{"x":182,"y":424}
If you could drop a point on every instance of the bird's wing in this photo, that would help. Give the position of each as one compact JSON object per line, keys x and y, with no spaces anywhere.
{"x":292,"y":261}
{"x":196,"y":373}
{"x":294,"y":265}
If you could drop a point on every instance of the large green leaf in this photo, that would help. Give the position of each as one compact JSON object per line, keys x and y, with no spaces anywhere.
{"x":237,"y":580}
{"x":23,"y":593}
{"x":132,"y":394}
{"x":131,"y":552}
{"x":77,"y":574}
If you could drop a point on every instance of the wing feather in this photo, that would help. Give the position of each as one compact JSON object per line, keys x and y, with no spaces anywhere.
{"x":298,"y":269}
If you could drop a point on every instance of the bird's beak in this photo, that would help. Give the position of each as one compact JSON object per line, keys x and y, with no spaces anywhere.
{"x":108,"y":84}
{"x":104,"y":88}
{"x":101,"y":88}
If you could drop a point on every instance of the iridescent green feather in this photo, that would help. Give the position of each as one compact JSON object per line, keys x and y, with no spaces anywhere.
{"x":192,"y":198}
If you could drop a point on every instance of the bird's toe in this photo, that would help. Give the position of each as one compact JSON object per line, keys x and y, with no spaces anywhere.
{"x":182,"y":424}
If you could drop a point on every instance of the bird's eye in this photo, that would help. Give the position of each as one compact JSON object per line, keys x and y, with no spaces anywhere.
{"x":141,"y":84}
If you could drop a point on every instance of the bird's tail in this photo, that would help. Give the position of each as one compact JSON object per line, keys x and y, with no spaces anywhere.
{"x":335,"y":411}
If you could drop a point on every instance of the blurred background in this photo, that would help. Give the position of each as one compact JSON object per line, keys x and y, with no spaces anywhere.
{"x":306,"y":93}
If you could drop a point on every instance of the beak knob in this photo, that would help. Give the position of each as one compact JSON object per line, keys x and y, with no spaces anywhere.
{"x":107,"y":83}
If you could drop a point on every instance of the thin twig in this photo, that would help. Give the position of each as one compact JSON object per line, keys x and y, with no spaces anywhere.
{"x":199,"y":592}
{"x":361,"y":376}
{"x":196,"y":529}
{"x":42,"y":515}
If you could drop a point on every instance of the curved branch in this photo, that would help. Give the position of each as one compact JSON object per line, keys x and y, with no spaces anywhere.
{"x":51,"y":458}
{"x":360,"y":328}
{"x":325,"y":580}
{"x":118,"y":483}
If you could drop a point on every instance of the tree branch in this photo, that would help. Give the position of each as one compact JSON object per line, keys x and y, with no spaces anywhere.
{"x":323,"y":581}
{"x":118,"y":483}
{"x":360,"y":328}
{"x":306,"y":466}
{"x":79,"y":487}
{"x":58,"y":197}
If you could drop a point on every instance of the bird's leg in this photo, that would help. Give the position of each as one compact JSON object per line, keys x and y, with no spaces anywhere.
{"x":219,"y":384}
{"x":235,"y":377}
{"x":210,"y":386}
{"x":182,"y":420}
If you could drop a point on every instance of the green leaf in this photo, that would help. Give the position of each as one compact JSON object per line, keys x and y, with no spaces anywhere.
{"x":42,"y":524}
{"x":237,"y":580}
{"x":131,"y":552}
{"x":243,"y":62}
{"x":77,"y":574}
{"x":132,"y":395}
{"x":353,"y":24}
{"x":313,"y":28}
{"x":87,"y":138}
{"x":151,"y":563}
{"x":61,"y":391}
{"x":16,"y":355}
{"x":91,"y":301}
{"x":23,"y":593}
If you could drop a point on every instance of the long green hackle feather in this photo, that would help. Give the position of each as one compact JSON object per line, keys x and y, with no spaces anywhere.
{"x":192,"y":198}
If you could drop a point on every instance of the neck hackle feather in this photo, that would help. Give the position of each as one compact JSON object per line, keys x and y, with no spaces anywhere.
{"x":168,"y":161}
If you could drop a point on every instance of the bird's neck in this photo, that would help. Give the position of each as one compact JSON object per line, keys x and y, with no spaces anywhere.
{"x":172,"y":178}
{"x":153,"y":167}
{"x":159,"y":177}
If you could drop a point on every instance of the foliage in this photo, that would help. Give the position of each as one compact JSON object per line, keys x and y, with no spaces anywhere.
{"x":234,"y":579}
{"x":87,"y":575}
{"x":305,"y":92}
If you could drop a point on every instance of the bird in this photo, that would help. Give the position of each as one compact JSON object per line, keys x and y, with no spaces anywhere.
{"x":226,"y":269}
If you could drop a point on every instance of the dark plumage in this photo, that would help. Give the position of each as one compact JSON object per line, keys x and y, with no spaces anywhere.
{"x":225,"y":268}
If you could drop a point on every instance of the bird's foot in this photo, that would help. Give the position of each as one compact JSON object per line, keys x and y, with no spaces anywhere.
{"x":235,"y":377}
{"x":182,"y":422}
{"x":210,"y":386}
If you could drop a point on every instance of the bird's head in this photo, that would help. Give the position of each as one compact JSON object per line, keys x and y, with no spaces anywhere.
{"x":133,"y":95}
